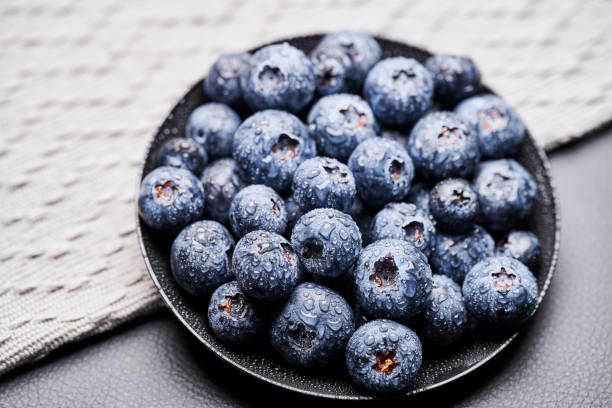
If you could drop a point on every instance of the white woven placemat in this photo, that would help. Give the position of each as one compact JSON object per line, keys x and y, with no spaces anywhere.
{"x":85,"y":84}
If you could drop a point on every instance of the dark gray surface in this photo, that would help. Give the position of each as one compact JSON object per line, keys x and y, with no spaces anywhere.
{"x":562,"y":358}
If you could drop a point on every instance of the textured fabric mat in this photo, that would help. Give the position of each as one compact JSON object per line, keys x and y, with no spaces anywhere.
{"x":85,"y":84}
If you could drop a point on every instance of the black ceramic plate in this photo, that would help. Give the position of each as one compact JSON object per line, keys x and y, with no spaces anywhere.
{"x":439,"y":367}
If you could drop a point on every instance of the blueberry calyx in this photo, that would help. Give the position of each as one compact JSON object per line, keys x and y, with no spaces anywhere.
{"x":235,"y":305}
{"x":503,"y":279}
{"x":385,"y":362}
{"x":301,"y":336}
{"x":166,"y":192}
{"x":385,"y":271}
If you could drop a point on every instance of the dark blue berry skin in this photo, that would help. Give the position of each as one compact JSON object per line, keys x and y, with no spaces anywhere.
{"x":342,"y":60}
{"x":278,"y":77}
{"x":221,"y":182}
{"x":399,"y":90}
{"x":323,"y":182}
{"x":383,"y":171}
{"x":499,"y":129}
{"x":454,"y":255}
{"x":500,"y":292}
{"x":328,"y":242}
{"x":222,"y":84}
{"x":313,"y":327}
{"x":213,"y":125}
{"x":170,"y":198}
{"x":419,"y":196}
{"x":384,"y":356}
{"x":266,"y":266}
{"x":406,"y":222}
{"x":444,"y":318}
{"x":200,"y":257}
{"x":455,"y":78}
{"x":392,"y":279}
{"x":257,"y":207}
{"x":396,"y":136}
{"x":338,"y":123}
{"x":506,"y":191}
{"x":269,"y":146}
{"x":183,"y":153}
{"x":521,"y":245}
{"x":232,"y":316}
{"x":442,"y":146}
{"x":454,"y":205}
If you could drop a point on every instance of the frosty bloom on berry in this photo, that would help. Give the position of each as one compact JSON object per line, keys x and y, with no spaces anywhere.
{"x":269,"y":146}
{"x":200,"y":257}
{"x":170,"y":198}
{"x":392,"y":279}
{"x":222,"y":83}
{"x":212,"y":125}
{"x":499,"y":129}
{"x":279,"y":76}
{"x":313,"y":327}
{"x":322,"y":182}
{"x":406,"y":222}
{"x":399,"y":90}
{"x":384,"y":356}
{"x":338,"y":123}
{"x":233,"y":317}
{"x":442,"y":146}
{"x":342,"y":60}
{"x":383,"y":171}
{"x":500,"y":292}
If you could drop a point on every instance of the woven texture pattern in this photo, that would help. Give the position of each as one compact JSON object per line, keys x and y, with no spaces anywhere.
{"x":85,"y":84}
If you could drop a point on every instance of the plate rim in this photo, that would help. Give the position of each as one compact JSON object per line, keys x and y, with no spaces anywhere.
{"x":541,"y":154}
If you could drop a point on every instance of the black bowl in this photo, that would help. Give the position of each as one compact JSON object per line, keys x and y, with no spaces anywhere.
{"x":439,"y":366}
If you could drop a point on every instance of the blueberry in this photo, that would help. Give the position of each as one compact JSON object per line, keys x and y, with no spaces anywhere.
{"x":406,"y":222}
{"x":213,"y":125}
{"x":327,"y":241}
{"x":383,"y":171}
{"x":500,"y":292}
{"x":342,"y":60}
{"x":455,"y":78}
{"x":222,"y":84}
{"x":506,"y":191}
{"x":419,"y":196}
{"x":322,"y":182}
{"x":183,"y":153}
{"x":200,"y":257}
{"x":454,"y":255}
{"x":278,"y":77}
{"x":521,"y":245}
{"x":257,"y":207}
{"x":221,"y":182}
{"x":399,"y":90}
{"x":313,"y":327}
{"x":338,"y":123}
{"x":265,"y":265}
{"x":499,"y":129}
{"x":269,"y":146}
{"x":392,"y":279}
{"x":454,"y":205}
{"x":442,"y":146}
{"x":384,"y":356}
{"x":232,"y":316}
{"x":444,"y":317}
{"x":170,"y":198}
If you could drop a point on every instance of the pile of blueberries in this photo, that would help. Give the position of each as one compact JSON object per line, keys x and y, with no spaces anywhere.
{"x":371,"y":214}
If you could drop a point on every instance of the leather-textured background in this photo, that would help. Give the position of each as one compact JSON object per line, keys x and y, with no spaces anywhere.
{"x":562,"y":358}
